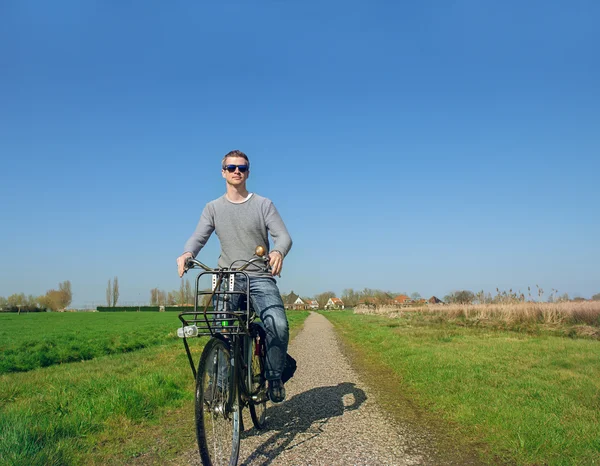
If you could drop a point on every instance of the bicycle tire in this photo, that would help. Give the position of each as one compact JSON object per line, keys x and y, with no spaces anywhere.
{"x":255,"y":382}
{"x":217,"y":412}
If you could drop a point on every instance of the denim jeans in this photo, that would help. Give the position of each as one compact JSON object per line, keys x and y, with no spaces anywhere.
{"x":268,"y":305}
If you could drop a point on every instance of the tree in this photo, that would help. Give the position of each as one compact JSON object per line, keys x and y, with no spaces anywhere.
{"x":189,"y":294}
{"x":460,"y":297}
{"x":66,"y":295}
{"x":162,"y":298}
{"x":56,"y":300}
{"x":596,"y":297}
{"x":324,"y":297}
{"x":154,"y":296}
{"x":181,"y":295}
{"x":350,"y":297}
{"x":415,"y":296}
{"x":52,"y":300}
{"x":115,"y":291}
{"x":16,"y":301}
{"x":109,"y":291}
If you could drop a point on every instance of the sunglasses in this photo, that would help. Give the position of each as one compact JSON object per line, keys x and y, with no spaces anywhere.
{"x":231,"y":168}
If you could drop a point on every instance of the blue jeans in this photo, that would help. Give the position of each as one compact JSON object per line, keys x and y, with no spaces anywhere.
{"x":268,"y":305}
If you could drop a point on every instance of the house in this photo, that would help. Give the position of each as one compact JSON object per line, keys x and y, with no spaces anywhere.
{"x":334,"y":303}
{"x":289,"y":300}
{"x":434,"y":300}
{"x":312,"y":303}
{"x":403,"y":300}
{"x":299,"y":304}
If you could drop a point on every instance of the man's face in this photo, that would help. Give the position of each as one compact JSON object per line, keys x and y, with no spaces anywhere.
{"x":236,"y":177}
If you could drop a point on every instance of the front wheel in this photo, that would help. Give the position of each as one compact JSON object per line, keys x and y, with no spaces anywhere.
{"x":217,"y":406}
{"x":256,"y":383}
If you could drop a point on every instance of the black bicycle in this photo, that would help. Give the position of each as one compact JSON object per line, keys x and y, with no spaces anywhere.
{"x":230,"y":373}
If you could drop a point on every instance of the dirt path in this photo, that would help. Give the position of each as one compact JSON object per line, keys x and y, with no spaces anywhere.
{"x":329,"y":417}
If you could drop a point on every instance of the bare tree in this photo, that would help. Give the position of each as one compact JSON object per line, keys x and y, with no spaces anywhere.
{"x":66,"y":294}
{"x":181,"y":295}
{"x":115,"y":292}
{"x":109,"y":293}
{"x":415,"y":296}
{"x":154,"y":297}
{"x":16,"y":301}
{"x":189,"y":294}
{"x":322,"y":298}
{"x":350,"y":297}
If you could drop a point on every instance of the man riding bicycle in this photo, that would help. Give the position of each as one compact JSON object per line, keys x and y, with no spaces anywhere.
{"x":243,"y":220}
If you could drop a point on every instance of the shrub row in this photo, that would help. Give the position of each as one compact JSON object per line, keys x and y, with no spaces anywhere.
{"x":145,"y":308}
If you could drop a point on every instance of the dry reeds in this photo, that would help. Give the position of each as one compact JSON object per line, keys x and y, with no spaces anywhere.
{"x":560,"y":313}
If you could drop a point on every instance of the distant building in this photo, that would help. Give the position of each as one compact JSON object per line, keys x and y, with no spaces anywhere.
{"x":299,"y":304}
{"x":289,"y":300}
{"x":334,"y":303}
{"x":403,"y":300}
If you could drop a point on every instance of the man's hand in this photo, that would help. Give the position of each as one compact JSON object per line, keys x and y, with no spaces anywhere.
{"x":181,"y":260}
{"x":276,"y":262}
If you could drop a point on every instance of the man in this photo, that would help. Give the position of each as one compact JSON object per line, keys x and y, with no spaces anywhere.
{"x":242,"y":221}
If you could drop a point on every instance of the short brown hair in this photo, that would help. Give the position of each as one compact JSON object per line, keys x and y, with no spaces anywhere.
{"x":234,"y":153}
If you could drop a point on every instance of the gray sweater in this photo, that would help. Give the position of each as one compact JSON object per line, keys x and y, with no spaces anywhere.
{"x":240,"y":228}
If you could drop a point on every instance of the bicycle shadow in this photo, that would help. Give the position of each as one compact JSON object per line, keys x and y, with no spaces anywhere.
{"x":301,"y":418}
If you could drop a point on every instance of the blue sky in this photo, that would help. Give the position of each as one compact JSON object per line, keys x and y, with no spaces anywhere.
{"x":425,"y":147}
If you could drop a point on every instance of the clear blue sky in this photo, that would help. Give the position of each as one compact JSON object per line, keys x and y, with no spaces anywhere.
{"x":424,"y":146}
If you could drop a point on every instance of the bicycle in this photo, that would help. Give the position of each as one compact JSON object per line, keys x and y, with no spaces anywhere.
{"x":230,"y":373}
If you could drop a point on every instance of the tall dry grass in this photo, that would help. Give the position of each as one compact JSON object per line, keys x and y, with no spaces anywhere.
{"x":561,"y":313}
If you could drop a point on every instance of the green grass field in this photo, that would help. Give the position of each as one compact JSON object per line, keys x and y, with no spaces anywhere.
{"x":30,"y":341}
{"x":530,"y":399}
{"x":107,"y":409}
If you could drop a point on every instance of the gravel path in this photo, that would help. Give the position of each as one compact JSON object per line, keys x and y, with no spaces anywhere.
{"x":329,"y":417}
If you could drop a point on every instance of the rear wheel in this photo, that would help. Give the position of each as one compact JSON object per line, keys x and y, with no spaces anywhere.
{"x":256,"y":383}
{"x":217,"y":406}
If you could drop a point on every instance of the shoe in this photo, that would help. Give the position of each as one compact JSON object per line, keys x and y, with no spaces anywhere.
{"x":276,"y":391}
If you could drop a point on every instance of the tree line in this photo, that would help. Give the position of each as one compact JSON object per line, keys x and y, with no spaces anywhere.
{"x":352,"y":298}
{"x":184,"y":296}
{"x":53,"y":300}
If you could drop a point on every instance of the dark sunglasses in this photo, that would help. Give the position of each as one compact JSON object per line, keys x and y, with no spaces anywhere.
{"x":231,"y":168}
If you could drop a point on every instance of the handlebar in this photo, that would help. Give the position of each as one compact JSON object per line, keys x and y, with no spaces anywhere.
{"x":193,"y":263}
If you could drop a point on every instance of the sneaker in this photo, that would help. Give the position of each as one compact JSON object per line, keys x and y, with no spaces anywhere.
{"x":276,"y":391}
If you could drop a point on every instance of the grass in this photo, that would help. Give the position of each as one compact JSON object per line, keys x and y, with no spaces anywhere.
{"x":531,"y":399}
{"x":33,"y":340}
{"x":107,"y":410}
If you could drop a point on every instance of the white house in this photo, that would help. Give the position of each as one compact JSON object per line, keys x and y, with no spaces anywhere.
{"x":334,"y":303}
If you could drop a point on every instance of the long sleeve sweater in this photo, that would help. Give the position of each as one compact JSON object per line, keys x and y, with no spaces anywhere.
{"x":241,"y":227}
